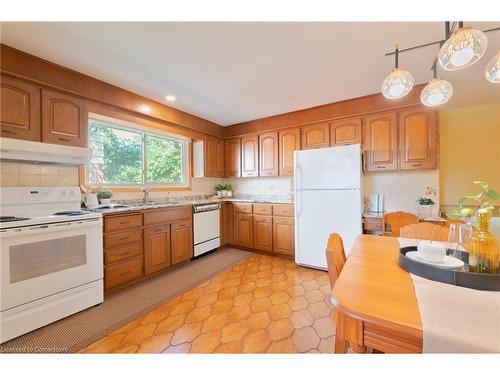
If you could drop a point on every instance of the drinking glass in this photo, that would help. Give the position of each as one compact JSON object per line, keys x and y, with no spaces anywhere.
{"x":459,"y":238}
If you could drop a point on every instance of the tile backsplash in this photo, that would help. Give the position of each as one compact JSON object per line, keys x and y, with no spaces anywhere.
{"x":22,"y":174}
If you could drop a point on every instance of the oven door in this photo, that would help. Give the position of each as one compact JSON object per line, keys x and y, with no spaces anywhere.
{"x":43,"y":260}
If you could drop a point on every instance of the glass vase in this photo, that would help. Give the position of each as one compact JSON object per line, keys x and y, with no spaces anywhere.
{"x":484,"y":253}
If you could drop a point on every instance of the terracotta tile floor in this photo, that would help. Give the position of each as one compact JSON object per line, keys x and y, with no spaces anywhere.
{"x":262,"y":305}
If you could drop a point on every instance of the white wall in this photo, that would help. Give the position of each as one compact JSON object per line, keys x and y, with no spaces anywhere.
{"x":402,"y":189}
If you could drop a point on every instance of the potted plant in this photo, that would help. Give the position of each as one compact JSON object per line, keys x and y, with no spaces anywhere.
{"x":425,"y":207}
{"x":104,"y":196}
{"x":228,"y":190}
{"x":219,"y":189}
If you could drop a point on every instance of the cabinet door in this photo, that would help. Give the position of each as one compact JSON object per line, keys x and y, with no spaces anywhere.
{"x":417,"y":139}
{"x":182,"y":241}
{"x":232,"y":150}
{"x":244,"y":230}
{"x":63,"y":119}
{"x":315,"y":136}
{"x":345,"y":132}
{"x":263,"y":233}
{"x":268,"y":154}
{"x":19,"y":110}
{"x":226,"y":223}
{"x":250,"y":156}
{"x":156,"y":248}
{"x":210,"y":155}
{"x":283,"y":233}
{"x":381,"y":142}
{"x":219,"y":158}
{"x":289,"y":141}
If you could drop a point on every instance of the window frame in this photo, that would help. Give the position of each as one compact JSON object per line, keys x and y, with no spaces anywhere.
{"x":142,"y":130}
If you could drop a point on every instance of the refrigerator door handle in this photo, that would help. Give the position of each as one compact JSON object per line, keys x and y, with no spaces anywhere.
{"x":297,"y":204}
{"x":297,"y":178}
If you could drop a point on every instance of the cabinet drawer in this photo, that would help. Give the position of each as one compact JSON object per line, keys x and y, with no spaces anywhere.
{"x":115,"y":223}
{"x":123,"y":272}
{"x":372,"y":224}
{"x":283,"y":210}
{"x":121,"y":253}
{"x":122,"y":238}
{"x":167,"y":214}
{"x":243,"y":208}
{"x":263,"y":209}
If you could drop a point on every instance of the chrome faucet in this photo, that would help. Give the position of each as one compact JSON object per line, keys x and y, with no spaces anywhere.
{"x":146,"y":191}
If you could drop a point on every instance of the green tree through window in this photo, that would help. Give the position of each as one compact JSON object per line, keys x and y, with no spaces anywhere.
{"x":118,"y":157}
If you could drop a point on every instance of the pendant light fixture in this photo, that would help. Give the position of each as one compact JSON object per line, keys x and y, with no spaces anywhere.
{"x":438,"y":91}
{"x":463,"y":48}
{"x":492,"y":71}
{"x":399,"y":82}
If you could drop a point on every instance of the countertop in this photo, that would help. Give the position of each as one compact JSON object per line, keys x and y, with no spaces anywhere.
{"x":182,"y":202}
{"x":379,"y":215}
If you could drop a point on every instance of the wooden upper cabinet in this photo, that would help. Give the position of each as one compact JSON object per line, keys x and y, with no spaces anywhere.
{"x":345,"y":132}
{"x":219,"y":157}
{"x":210,"y":155}
{"x":315,"y":135}
{"x":289,"y":141}
{"x":19,"y":109}
{"x":381,"y":142}
{"x":232,"y":152}
{"x":63,"y":119}
{"x":268,"y":154}
{"x":250,"y":156}
{"x":156,"y":248}
{"x":417,"y":139}
{"x":182,"y":241}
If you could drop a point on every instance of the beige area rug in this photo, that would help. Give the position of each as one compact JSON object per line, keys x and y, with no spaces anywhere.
{"x":81,"y":329}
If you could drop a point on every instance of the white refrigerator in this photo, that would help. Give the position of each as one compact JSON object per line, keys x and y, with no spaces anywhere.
{"x":328,"y":198}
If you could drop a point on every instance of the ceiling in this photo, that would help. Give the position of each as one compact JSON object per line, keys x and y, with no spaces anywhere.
{"x":234,"y":72}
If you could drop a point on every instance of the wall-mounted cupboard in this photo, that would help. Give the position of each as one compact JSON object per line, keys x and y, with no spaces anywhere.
{"x":33,"y":113}
{"x":391,"y":141}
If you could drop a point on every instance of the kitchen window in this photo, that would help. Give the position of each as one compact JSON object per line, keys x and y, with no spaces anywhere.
{"x":132,"y":156}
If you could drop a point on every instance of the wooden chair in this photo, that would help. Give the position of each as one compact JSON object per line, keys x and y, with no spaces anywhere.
{"x":425,"y":231}
{"x":335,"y":257}
{"x":397,"y":220}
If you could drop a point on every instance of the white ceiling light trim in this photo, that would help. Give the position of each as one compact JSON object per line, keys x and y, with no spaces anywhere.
{"x":492,"y":70}
{"x":437,"y":91}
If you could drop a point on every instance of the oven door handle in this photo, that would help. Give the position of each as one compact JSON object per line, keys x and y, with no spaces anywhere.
{"x":49,"y":228}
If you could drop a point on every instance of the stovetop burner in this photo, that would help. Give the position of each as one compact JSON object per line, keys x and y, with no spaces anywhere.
{"x":71,"y":213}
{"x":6,"y":219}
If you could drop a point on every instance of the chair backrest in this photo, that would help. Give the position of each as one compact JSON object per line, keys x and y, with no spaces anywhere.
{"x":425,"y":231}
{"x":397,"y":220}
{"x":335,"y":257}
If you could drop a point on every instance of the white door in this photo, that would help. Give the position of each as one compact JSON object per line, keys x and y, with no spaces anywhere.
{"x":319,"y":213}
{"x":328,"y":168}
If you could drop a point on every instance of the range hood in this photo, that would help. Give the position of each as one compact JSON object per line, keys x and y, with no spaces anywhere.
{"x":38,"y":152}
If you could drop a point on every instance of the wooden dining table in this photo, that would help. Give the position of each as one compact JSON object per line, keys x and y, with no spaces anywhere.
{"x":374,"y":300}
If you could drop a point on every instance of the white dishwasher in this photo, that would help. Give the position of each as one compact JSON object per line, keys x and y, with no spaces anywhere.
{"x":206,"y":227}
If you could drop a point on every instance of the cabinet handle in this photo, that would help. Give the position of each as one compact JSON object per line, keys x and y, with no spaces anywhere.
{"x":181,"y":225}
{"x":124,"y":222}
{"x":123,"y":274}
{"x":64,"y":139}
{"x":124,"y":238}
{"x":157,"y":230}
{"x":380,"y":167}
{"x":417,"y":165}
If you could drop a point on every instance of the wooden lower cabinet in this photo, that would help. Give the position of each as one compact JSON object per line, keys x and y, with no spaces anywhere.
{"x":244,"y":230}
{"x":156,"y":248}
{"x":120,"y":273}
{"x":226,"y":223}
{"x":263,"y":233}
{"x":182,"y":241}
{"x":283,"y":235}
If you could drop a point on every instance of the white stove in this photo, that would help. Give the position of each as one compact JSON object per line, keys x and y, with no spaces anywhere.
{"x":51,"y":260}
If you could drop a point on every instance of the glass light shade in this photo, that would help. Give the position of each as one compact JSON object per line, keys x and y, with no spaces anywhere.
{"x":463,"y":48}
{"x":397,"y":84}
{"x":492,"y":71}
{"x":437,"y":91}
